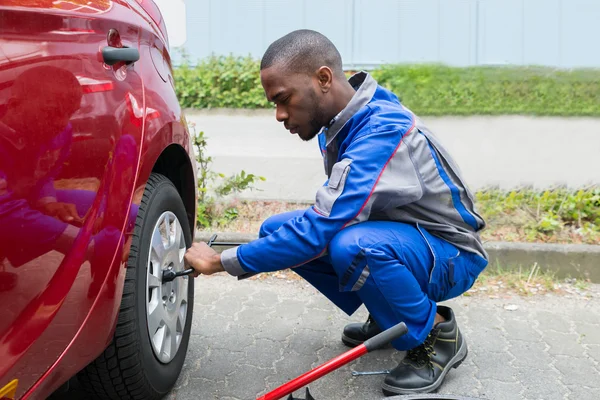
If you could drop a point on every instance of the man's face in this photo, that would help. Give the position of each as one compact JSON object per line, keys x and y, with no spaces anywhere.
{"x":298,"y":100}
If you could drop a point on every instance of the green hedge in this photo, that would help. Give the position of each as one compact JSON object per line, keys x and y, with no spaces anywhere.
{"x":219,"y":82}
{"x":426,"y":89}
{"x":441,"y":90}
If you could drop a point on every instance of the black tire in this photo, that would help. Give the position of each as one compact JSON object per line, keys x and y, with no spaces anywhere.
{"x":128,"y":368}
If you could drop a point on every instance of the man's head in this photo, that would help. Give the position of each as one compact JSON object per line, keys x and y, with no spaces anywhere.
{"x":42,"y":101}
{"x":302,"y":74}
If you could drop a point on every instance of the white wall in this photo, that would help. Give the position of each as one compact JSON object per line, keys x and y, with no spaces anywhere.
{"x":561,"y":33}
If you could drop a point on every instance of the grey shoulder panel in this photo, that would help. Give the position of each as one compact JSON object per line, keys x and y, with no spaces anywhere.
{"x":328,"y":194}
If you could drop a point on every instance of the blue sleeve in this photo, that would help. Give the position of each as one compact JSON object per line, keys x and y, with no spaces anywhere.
{"x":345,"y":199}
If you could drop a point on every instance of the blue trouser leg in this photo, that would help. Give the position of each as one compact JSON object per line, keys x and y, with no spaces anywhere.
{"x":387,"y":264}
{"x":391,"y":268}
{"x":319,"y":273}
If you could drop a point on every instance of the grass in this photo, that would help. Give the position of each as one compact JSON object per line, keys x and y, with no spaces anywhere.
{"x":550,"y":216}
{"x":497,"y":280}
{"x":559,"y":216}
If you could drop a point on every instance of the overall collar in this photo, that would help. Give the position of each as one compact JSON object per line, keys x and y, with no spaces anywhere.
{"x":365,"y":87}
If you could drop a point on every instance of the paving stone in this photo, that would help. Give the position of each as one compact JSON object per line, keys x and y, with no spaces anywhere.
{"x":585,"y":313}
{"x":365,"y":387}
{"x":321,"y":318}
{"x":251,"y":318}
{"x":484,"y":338}
{"x":588,"y":333}
{"x":243,"y":291}
{"x":264,"y":299}
{"x":306,"y":341}
{"x":247,"y":381}
{"x":210,"y":325}
{"x":277,"y":329}
{"x":552,"y":322}
{"x":528,"y":354}
{"x":205,"y":298}
{"x":337,"y":384}
{"x":483,"y":317}
{"x":541,"y":384}
{"x":594,"y":352}
{"x":250,"y":337}
{"x":567,"y":344}
{"x":584,"y":393}
{"x":218,"y":364}
{"x":236,"y":340}
{"x":578,"y":371}
{"x":521,"y":330}
{"x":290,"y":365}
{"x":496,"y":390}
{"x":331,"y":350}
{"x":263,"y":353}
{"x":212,"y":390}
{"x":495,"y":366}
{"x":290,"y":308}
{"x":461,"y":382}
{"x":229,"y":305}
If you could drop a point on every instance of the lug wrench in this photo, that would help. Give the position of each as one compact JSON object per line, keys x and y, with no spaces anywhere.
{"x":168,"y":274}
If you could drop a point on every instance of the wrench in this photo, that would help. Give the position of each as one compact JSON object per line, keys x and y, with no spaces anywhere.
{"x":361,"y":373}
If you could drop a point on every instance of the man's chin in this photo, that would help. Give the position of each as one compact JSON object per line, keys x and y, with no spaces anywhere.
{"x":307,"y":137}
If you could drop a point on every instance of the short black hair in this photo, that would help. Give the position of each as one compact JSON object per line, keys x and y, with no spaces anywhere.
{"x":303,"y":51}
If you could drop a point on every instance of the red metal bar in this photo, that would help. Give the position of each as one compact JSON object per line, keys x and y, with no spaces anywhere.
{"x":315,"y":374}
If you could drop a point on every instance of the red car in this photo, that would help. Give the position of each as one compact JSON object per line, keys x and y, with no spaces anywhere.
{"x":97,"y":198}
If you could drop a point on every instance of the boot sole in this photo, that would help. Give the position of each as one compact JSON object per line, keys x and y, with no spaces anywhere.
{"x":351,"y":342}
{"x":455,"y":362}
{"x":354,"y":342}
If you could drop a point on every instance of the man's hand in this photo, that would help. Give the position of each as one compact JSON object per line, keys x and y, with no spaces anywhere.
{"x":66,"y":212}
{"x":203,"y":259}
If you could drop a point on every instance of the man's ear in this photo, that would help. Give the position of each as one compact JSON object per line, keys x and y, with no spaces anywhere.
{"x":325,"y":77}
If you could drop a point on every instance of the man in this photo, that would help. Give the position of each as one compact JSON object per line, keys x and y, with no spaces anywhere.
{"x":394,"y":226}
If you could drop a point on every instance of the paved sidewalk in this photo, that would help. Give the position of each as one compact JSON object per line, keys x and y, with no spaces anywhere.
{"x":250,"y":336}
{"x":490,"y":151}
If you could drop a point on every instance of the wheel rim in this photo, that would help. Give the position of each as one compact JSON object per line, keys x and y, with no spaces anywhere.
{"x":166,"y":303}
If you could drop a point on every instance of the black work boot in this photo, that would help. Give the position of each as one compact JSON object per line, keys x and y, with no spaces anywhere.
{"x":424,"y":368}
{"x":356,"y":333}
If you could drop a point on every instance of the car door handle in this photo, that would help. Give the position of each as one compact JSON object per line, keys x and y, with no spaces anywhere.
{"x":113,"y":55}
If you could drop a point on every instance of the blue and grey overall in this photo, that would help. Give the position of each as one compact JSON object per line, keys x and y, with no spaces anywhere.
{"x":394,"y":226}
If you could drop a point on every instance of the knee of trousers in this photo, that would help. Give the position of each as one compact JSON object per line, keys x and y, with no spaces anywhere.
{"x":350,"y":247}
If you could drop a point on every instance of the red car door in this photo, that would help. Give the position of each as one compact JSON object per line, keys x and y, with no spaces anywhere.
{"x":70,"y":132}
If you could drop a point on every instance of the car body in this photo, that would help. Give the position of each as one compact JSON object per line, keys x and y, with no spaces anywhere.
{"x":80,"y":140}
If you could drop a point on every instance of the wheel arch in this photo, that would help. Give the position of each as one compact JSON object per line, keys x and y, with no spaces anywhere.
{"x":175,"y":164}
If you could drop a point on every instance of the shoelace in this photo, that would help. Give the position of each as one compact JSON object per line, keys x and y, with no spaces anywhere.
{"x":421,"y":354}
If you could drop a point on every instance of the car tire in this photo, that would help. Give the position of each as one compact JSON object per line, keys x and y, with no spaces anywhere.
{"x":132,"y":366}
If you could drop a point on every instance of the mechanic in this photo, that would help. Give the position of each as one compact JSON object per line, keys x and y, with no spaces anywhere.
{"x":394,"y":226}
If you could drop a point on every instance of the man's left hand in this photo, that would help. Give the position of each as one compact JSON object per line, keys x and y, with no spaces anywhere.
{"x":203,"y":259}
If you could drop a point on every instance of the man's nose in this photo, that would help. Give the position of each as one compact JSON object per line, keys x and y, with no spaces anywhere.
{"x":281,"y":114}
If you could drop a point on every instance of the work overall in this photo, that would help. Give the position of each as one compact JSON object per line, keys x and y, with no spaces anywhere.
{"x":399,"y":271}
{"x":393,"y":227}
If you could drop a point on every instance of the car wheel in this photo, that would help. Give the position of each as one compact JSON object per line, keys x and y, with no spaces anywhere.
{"x":150,"y":342}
